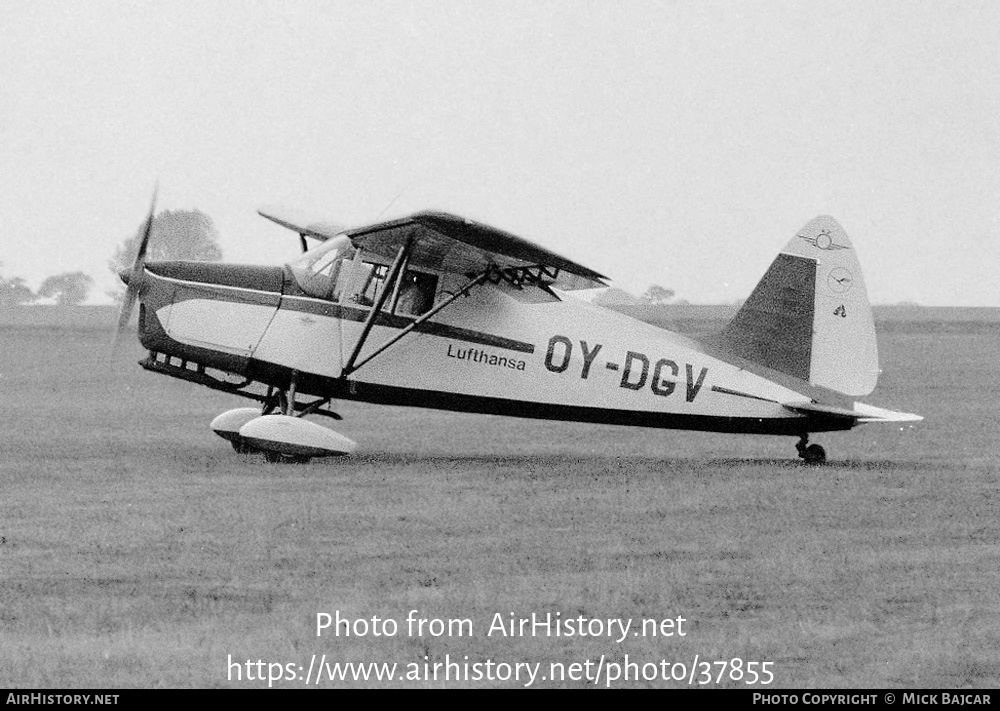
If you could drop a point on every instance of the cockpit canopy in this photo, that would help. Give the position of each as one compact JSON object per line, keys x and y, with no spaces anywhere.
{"x":318,"y":271}
{"x":336,"y":271}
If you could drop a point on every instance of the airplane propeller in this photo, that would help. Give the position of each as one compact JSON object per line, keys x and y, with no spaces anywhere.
{"x":134,"y":277}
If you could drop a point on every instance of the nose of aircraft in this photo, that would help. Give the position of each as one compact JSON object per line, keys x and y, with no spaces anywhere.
{"x":241,"y":276}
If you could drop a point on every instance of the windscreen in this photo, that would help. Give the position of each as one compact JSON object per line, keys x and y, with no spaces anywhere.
{"x":318,"y":270}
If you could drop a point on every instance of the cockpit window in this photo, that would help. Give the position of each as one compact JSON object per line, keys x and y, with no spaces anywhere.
{"x":413,"y":296}
{"x":334,"y":271}
{"x":416,"y":293}
{"x":372,"y":285}
{"x":318,"y":271}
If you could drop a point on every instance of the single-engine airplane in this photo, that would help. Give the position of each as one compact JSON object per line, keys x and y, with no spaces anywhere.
{"x":437,"y":311}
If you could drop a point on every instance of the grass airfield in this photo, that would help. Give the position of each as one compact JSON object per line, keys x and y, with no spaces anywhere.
{"x":138,"y":550}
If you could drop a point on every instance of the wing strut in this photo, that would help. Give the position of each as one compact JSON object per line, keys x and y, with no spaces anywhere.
{"x":377,"y":306}
{"x":351,"y":367}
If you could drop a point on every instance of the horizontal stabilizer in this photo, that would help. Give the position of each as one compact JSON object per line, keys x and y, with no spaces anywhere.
{"x":861,"y":413}
{"x":814,"y":408}
{"x":870,"y":413}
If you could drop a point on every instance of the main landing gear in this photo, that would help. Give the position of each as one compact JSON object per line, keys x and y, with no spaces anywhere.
{"x":810,"y":453}
{"x":279,"y":430}
{"x":276,"y":402}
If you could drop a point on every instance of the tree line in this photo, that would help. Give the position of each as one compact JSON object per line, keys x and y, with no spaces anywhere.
{"x":68,"y":289}
{"x":176,"y":234}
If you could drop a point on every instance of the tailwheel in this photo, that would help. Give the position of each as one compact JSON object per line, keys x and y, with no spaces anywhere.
{"x":810,"y":453}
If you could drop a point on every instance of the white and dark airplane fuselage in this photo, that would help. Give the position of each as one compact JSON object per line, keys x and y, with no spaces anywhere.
{"x":439,"y":312}
{"x":565,"y":360}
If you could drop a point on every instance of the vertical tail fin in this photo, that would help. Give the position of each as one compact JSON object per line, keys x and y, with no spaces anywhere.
{"x":809,"y":316}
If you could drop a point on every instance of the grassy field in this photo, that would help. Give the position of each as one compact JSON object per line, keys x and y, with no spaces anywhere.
{"x":137,"y":550}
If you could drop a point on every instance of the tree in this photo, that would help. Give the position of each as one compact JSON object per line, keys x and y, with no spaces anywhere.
{"x":176,"y":234}
{"x":613,"y":296}
{"x":14,"y":292}
{"x":657,"y":294}
{"x":69,"y":288}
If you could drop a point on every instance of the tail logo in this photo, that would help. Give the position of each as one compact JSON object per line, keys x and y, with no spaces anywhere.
{"x":823,"y":241}
{"x":840,"y":280}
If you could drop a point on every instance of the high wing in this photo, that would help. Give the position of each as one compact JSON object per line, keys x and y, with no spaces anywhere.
{"x":445,"y":242}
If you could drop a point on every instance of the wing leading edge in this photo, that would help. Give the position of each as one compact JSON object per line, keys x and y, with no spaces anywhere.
{"x":302,"y":223}
{"x":449,"y":243}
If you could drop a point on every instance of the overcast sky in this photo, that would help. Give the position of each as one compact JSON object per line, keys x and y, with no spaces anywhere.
{"x":679,"y":143}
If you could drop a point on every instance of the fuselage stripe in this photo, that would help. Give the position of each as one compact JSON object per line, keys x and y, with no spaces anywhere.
{"x":351,"y":313}
{"x":320,"y":307}
{"x":737,"y":393}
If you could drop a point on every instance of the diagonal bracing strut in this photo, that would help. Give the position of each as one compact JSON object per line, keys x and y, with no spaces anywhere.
{"x":351,"y":367}
{"x":377,"y":307}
